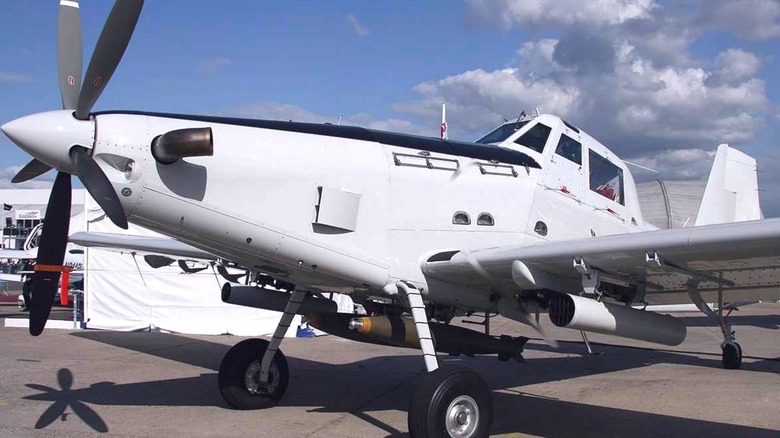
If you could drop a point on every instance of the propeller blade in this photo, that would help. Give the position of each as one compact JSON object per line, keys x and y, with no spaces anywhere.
{"x":99,"y":187}
{"x":69,"y":52}
{"x":108,"y":52}
{"x":31,"y":170}
{"x":51,"y":253}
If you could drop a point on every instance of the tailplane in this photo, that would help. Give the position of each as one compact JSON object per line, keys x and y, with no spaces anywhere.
{"x":731,"y":194}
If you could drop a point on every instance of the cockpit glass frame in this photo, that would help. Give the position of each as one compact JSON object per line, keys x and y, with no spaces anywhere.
{"x":501,"y":133}
{"x":535,"y":138}
{"x":606,"y":178}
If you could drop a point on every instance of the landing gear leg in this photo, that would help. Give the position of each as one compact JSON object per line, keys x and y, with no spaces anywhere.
{"x":587,"y":343}
{"x":732,"y":351}
{"x":254,"y":373}
{"x":451,"y":401}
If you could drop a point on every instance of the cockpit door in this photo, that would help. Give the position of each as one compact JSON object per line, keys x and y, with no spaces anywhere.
{"x":563,"y":171}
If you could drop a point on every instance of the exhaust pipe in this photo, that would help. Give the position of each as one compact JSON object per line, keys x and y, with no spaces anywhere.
{"x":191,"y":142}
{"x":251,"y":296}
{"x":571,"y":311}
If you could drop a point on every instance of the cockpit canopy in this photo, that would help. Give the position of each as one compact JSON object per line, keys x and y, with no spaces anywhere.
{"x":534,"y":138}
{"x":501,"y":133}
{"x":590,"y":165}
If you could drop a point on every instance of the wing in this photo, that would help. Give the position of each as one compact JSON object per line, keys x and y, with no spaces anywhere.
{"x":146,"y":245}
{"x":16,"y":254}
{"x":741,"y":258}
{"x":11,"y":277}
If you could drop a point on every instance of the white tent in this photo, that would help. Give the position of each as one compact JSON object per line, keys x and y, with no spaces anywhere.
{"x":124,"y":293}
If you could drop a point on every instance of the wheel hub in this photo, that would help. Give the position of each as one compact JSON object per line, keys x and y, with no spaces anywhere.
{"x":462,"y":417}
{"x":252,"y":379}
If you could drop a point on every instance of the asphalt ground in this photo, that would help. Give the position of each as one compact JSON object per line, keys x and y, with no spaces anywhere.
{"x":93,"y":383}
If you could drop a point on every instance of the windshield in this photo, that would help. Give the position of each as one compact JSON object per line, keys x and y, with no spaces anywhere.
{"x":501,"y":133}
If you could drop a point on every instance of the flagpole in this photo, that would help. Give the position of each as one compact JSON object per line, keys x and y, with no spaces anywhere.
{"x":2,"y":240}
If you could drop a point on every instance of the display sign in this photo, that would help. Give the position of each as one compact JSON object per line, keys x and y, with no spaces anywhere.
{"x":27,"y":214}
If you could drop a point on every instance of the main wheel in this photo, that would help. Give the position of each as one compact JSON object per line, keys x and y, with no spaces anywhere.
{"x":451,"y":402}
{"x":239,"y":376}
{"x":732,"y":356}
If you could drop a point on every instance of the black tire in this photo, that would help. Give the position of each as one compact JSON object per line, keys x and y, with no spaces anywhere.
{"x":448,"y":392}
{"x":732,"y":356}
{"x":239,"y":375}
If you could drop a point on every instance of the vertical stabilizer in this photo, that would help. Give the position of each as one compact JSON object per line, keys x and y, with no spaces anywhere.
{"x":731,"y":194}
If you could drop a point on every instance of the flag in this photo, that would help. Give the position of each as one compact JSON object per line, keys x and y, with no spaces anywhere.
{"x":443,"y":122}
{"x":7,"y":207}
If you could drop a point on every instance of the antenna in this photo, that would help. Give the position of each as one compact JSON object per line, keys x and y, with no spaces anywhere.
{"x":537,"y":112}
{"x":640,"y":166}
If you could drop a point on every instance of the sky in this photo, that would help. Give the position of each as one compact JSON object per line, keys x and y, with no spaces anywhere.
{"x":661,"y":83}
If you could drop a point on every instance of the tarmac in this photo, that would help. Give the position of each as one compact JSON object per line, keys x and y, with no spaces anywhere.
{"x":98,"y":383}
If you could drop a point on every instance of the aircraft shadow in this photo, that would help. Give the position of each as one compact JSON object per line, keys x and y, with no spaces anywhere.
{"x":388,"y":382}
{"x":771,"y":322}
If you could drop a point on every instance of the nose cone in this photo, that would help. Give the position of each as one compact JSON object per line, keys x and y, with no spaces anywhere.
{"x":49,"y":136}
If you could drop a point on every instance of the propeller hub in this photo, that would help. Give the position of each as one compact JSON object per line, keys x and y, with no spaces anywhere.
{"x":49,"y":136}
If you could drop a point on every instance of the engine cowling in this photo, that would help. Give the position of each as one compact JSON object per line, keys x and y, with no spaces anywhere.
{"x":571,"y":311}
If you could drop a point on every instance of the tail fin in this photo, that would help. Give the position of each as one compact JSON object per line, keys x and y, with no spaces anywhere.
{"x":731,"y":194}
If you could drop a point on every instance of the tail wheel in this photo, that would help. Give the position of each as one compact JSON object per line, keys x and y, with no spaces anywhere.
{"x":451,"y":402}
{"x":239,"y":376}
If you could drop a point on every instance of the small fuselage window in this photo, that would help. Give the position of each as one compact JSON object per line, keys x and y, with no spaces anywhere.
{"x":570,"y":149}
{"x":535,"y":138}
{"x":606,"y":178}
{"x":501,"y":133}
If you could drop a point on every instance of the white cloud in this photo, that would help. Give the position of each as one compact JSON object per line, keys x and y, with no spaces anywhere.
{"x":290,"y":112}
{"x":536,"y":58}
{"x":360,"y":29}
{"x":753,"y":19}
{"x":44,"y":181}
{"x":559,"y":13}
{"x":212,"y":66}
{"x":677,"y":165}
{"x":629,"y":104}
{"x":734,"y":65}
{"x":478,"y":100}
{"x":14,"y":78}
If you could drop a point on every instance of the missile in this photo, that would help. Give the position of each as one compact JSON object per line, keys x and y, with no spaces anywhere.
{"x":401,"y":332}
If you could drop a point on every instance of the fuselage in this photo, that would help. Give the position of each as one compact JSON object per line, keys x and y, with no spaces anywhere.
{"x":351,"y":210}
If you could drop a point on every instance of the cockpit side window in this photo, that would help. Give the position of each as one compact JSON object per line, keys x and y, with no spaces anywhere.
{"x":501,"y":133}
{"x":570,"y":149}
{"x":535,"y":138}
{"x":606,"y":179}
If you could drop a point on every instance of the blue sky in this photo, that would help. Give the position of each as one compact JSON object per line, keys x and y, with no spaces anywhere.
{"x":660,"y":82}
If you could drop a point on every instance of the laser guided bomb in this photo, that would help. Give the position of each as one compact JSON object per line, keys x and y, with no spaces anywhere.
{"x":400,"y":331}
{"x":396,"y":331}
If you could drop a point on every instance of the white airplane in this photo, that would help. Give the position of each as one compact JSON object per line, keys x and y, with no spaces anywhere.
{"x":74,"y":256}
{"x":535,"y":215}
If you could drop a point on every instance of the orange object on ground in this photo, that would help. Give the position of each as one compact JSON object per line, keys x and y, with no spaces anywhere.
{"x":64,"y":288}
